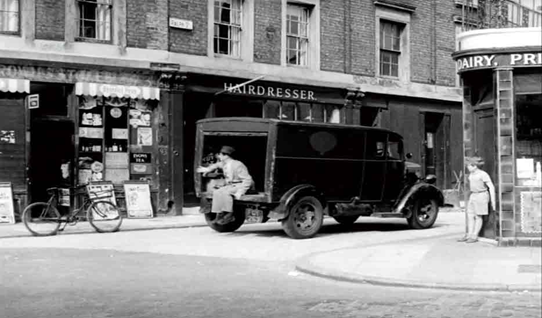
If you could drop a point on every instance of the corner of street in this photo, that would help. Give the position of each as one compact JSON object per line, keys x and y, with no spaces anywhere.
{"x":424,"y":258}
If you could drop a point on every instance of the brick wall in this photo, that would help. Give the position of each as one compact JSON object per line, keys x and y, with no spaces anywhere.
{"x":445,"y":32}
{"x":185,"y":41}
{"x":147,"y":24}
{"x":50,"y":20}
{"x":421,"y":35}
{"x":267,"y":31}
{"x":136,"y":30}
{"x":362,"y":26}
{"x":334,"y":33}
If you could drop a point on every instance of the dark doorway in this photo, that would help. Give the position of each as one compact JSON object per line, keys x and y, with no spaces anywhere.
{"x":196,"y":107}
{"x":51,"y":145}
{"x":436,"y":147}
{"x":484,"y":141}
{"x":51,"y":139}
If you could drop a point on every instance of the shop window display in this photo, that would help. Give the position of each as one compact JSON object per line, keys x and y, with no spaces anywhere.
{"x":115,"y":140}
{"x":529,"y":139}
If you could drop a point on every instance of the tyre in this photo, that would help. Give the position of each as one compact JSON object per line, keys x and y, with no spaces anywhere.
{"x":41,"y":219}
{"x":104,"y":216}
{"x":424,"y":213}
{"x":304,"y":218}
{"x":228,"y":227}
{"x":346,"y":219}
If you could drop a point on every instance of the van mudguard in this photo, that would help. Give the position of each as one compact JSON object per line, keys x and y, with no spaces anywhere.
{"x":290,"y":197}
{"x":419,"y":189}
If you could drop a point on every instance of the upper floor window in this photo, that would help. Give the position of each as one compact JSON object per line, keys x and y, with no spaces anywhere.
{"x":297,"y":35}
{"x":390,"y":48}
{"x":94,"y":19}
{"x":227,"y":27}
{"x":9,"y":16}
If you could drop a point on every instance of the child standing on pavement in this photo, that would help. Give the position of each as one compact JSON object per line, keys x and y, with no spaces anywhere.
{"x":482,"y":192}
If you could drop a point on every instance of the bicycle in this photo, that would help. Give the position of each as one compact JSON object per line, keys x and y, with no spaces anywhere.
{"x":43,"y":218}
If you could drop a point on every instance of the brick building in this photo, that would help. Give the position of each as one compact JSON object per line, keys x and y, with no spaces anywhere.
{"x":97,"y":66}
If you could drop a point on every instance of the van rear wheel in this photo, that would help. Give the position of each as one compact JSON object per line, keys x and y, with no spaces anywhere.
{"x":228,"y":227}
{"x":304,"y":218}
{"x":424,"y":214}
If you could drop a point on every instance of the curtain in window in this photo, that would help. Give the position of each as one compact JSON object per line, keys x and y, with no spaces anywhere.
{"x":103,"y":20}
{"x":236,"y":28}
{"x":9,"y":15}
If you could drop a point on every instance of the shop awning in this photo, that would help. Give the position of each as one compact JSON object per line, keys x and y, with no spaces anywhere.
{"x":13,"y":85}
{"x":109,"y":90}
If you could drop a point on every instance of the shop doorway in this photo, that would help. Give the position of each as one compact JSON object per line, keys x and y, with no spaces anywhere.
{"x":195,"y":107}
{"x":484,"y":136}
{"x":51,"y":139}
{"x":51,"y":145}
{"x":436,"y":147}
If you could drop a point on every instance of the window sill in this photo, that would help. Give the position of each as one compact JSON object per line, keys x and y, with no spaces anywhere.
{"x":14,"y":33}
{"x":91,"y":40}
{"x":225,"y":56}
{"x":389,"y":77}
{"x":304,"y":67}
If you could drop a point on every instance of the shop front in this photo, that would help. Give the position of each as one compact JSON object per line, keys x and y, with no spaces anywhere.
{"x":12,"y":140}
{"x":197,"y":96}
{"x":102,"y":124}
{"x":502,"y":108}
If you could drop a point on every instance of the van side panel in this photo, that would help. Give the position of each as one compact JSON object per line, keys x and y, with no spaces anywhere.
{"x":332,"y":160}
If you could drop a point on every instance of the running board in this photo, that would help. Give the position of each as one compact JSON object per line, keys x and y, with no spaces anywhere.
{"x":387,"y":215}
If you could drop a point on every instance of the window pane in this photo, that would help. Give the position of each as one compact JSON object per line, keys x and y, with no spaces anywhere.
{"x":394,"y":70}
{"x":294,"y":27}
{"x":228,"y":18}
{"x":272,"y":109}
{"x":387,"y":42}
{"x":317,"y":113}
{"x":287,"y":111}
{"x":333,"y":114}
{"x":9,"y":15}
{"x":94,"y":19}
{"x":304,"y":112}
{"x":397,"y":44}
{"x":297,"y":32}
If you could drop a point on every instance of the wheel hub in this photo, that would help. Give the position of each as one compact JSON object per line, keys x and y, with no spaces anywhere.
{"x":305,"y":218}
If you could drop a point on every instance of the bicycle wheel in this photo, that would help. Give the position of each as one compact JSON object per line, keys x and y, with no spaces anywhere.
{"x":41,"y":219}
{"x":104,"y":216}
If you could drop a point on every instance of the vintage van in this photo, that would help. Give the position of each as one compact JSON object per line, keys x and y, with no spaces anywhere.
{"x":304,"y":171}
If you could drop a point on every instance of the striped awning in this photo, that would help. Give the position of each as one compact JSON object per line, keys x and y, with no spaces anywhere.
{"x":13,"y":85}
{"x":109,"y":90}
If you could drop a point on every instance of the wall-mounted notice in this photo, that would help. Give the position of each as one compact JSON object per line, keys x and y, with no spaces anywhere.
{"x":138,"y":199}
{"x":7,"y":214}
{"x":144,"y":136}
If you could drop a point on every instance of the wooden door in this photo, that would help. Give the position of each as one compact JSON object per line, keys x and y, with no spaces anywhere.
{"x":435,"y":153}
{"x":484,"y":146}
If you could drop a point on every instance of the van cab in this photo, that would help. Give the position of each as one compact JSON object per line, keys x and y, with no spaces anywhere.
{"x":304,"y":171}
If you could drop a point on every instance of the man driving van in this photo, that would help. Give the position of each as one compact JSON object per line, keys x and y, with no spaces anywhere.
{"x":237,"y":182}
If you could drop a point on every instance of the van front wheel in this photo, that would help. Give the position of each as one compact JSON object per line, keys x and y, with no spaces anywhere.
{"x":304,"y":218}
{"x":424,"y":214}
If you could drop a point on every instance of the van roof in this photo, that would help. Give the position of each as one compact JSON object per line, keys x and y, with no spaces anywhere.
{"x":295,"y":123}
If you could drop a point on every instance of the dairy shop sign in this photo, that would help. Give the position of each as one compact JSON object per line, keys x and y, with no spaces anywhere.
{"x":495,"y":60}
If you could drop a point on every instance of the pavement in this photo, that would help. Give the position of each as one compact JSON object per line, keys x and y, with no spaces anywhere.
{"x":435,"y":261}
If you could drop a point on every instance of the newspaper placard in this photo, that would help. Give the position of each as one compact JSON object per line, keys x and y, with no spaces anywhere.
{"x":138,"y":199}
{"x":101,"y":191}
{"x":7,"y":212}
